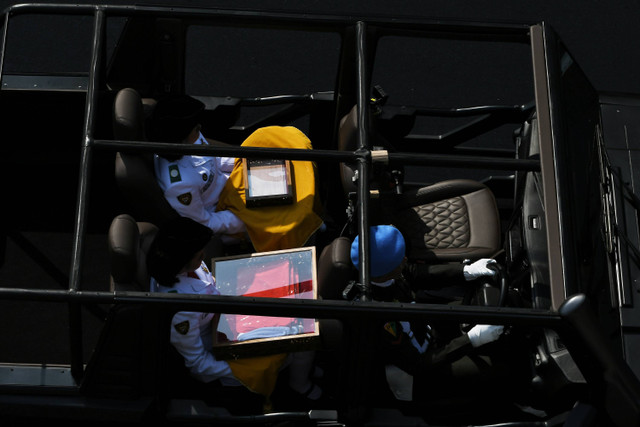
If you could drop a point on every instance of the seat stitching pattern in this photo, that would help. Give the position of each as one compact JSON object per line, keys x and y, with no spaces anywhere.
{"x":440,"y":225}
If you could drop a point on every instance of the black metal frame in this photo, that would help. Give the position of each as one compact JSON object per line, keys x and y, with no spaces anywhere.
{"x":362,"y":32}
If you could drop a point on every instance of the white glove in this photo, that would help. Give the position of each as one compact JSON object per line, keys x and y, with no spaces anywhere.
{"x":483,"y":334}
{"x":478,"y":269}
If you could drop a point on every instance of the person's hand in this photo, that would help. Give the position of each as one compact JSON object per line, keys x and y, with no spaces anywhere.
{"x":478,"y":269}
{"x":221,"y":337}
{"x":483,"y":334}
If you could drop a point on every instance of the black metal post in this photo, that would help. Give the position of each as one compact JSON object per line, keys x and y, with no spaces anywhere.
{"x":75,"y":314}
{"x":360,"y":356}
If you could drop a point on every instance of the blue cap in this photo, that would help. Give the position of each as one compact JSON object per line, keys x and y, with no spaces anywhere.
{"x":386,"y":250}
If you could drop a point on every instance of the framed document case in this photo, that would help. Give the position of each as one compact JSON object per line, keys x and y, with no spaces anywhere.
{"x":276,"y":274}
{"x":268,"y":182}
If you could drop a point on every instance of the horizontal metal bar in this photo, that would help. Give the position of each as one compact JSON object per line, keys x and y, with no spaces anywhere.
{"x":316,"y":155}
{"x":231,"y":151}
{"x":464,"y":161}
{"x":286,"y":99}
{"x":441,"y":28}
{"x":304,"y":308}
{"x":515,"y":111}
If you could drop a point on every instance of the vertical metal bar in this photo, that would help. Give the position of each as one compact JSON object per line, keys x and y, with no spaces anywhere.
{"x":75,"y":320}
{"x":3,"y":44}
{"x":363,"y":146}
{"x":547,"y":163}
{"x":361,"y":344}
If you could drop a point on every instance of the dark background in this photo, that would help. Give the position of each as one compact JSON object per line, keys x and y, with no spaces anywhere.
{"x":603,"y":36}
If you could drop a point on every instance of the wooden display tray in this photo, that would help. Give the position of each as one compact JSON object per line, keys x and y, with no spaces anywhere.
{"x":276,"y":274}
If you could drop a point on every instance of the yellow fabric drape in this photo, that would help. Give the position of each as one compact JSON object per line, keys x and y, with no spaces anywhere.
{"x":273,"y":228}
{"x":258,"y":374}
{"x":277,"y":227}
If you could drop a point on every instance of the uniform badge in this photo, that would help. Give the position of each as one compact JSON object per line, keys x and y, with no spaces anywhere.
{"x":174,"y":173}
{"x":185,"y":198}
{"x":391,"y":328}
{"x":182,"y":328}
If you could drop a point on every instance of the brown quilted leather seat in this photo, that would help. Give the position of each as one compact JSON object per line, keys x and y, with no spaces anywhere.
{"x":449,"y":221}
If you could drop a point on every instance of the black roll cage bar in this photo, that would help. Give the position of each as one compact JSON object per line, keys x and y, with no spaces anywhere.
{"x":364,"y":30}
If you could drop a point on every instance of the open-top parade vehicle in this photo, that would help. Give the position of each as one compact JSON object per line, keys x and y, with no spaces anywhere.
{"x":400,"y":109}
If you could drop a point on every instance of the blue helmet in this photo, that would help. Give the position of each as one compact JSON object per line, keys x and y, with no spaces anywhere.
{"x":386,"y":250}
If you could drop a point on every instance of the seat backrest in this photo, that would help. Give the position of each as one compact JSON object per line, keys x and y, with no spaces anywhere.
{"x":347,"y":141}
{"x":129,"y":115}
{"x":134,"y":171}
{"x":335,"y":268}
{"x":129,"y":242}
{"x":383,"y":177}
{"x":451,"y":220}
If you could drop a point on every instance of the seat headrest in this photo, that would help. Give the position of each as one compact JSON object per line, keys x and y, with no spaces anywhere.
{"x":134,"y":171}
{"x":335,"y":268}
{"x":128,"y":116}
{"x":129,"y":242}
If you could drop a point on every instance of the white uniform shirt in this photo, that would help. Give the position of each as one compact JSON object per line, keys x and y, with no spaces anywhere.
{"x":191,"y":332}
{"x":192,"y":185}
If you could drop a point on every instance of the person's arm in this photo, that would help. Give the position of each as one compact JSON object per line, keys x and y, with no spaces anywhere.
{"x":225,"y":164}
{"x":434,"y":276}
{"x":402,"y":353}
{"x":478,"y":336}
{"x":187,"y":201}
{"x":453,"y":350}
{"x":185,"y":337}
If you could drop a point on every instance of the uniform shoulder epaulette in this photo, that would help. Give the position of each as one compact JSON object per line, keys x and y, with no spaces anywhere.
{"x":174,"y":173}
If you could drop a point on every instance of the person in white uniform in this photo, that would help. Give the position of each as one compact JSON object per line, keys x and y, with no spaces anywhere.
{"x":192,"y":184}
{"x":407,"y":349}
{"x":175,"y":264}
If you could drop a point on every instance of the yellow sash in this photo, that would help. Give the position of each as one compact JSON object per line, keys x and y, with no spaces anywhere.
{"x":277,"y":227}
{"x":273,"y":228}
{"x":258,"y":374}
